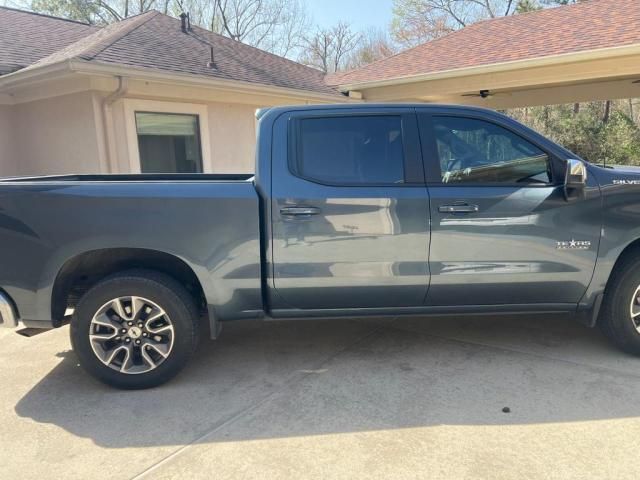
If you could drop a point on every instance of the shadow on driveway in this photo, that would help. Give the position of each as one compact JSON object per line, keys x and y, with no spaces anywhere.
{"x":285,"y":379}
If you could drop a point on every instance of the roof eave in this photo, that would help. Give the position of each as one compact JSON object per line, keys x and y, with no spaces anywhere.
{"x":101,"y":68}
{"x":85,"y":67}
{"x":33,"y":75}
{"x":573,"y":57}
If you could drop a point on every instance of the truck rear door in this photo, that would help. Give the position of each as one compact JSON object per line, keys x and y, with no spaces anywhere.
{"x":349,"y":209}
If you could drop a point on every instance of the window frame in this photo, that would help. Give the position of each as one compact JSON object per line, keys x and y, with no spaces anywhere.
{"x":431,"y":155}
{"x":132,"y":106}
{"x":413,"y":166}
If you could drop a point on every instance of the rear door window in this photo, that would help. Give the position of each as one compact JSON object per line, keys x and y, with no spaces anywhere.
{"x":350,"y":150}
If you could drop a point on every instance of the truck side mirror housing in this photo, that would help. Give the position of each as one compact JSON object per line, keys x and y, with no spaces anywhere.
{"x":575,"y":178}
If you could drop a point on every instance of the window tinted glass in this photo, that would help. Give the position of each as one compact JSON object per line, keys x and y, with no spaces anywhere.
{"x":475,"y":151}
{"x":168,"y":143}
{"x":351,"y":150}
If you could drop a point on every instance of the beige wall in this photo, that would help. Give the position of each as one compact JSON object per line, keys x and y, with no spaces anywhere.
{"x":55,"y":135}
{"x":232,"y":133}
{"x":7,"y":156}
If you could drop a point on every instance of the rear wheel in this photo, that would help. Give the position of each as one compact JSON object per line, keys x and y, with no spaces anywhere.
{"x":620,"y":316}
{"x":135,"y":329}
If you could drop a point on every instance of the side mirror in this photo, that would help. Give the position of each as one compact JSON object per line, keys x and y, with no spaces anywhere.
{"x":575,"y":178}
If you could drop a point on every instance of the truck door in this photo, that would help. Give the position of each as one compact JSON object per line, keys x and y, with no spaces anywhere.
{"x":349,"y":209}
{"x":503,"y":232}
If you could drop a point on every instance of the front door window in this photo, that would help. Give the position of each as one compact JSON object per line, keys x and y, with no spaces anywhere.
{"x":473,"y":151}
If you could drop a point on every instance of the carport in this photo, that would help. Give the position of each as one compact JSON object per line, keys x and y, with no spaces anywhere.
{"x":582,"y":52}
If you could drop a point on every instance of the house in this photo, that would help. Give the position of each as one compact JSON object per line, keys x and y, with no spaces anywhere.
{"x":151,"y":93}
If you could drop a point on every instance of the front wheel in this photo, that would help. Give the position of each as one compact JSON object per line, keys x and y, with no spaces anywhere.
{"x":135,"y":329}
{"x":620,"y":316}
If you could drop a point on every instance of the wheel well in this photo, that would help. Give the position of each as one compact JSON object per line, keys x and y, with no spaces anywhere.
{"x":82,"y":272}
{"x":633,"y":249}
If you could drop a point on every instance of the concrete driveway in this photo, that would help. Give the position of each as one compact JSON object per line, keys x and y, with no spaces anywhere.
{"x":408,"y":398}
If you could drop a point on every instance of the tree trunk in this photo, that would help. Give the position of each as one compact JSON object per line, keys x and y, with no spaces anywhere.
{"x":607,"y":111}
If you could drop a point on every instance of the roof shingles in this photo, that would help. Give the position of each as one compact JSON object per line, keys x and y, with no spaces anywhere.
{"x":156,"y":41}
{"x":594,"y":24}
{"x":27,"y":37}
{"x":160,"y":43}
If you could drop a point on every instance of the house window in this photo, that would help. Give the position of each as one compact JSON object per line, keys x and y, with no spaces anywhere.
{"x":168,"y":142}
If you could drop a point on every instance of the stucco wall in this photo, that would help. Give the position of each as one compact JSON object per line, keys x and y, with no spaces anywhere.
{"x":55,"y":135}
{"x":7,"y":157}
{"x":232,"y":132}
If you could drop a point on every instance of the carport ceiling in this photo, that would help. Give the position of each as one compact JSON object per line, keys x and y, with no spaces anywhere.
{"x":586,"y":51}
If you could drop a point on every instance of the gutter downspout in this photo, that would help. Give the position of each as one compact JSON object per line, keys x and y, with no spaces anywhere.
{"x":107,"y":122}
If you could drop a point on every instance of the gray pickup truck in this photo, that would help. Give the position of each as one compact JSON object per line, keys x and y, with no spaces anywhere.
{"x":354,"y":210}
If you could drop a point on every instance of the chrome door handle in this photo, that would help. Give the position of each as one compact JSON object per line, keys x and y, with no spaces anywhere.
{"x":458,"y":208}
{"x":299,"y":211}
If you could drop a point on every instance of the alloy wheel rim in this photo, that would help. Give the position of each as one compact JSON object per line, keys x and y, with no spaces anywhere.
{"x":635,"y":309}
{"x":131,"y":335}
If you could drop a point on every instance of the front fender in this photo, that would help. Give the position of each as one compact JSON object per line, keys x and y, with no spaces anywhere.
{"x":621,"y":224}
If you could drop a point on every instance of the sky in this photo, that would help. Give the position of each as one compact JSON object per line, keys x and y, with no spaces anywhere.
{"x":361,"y":14}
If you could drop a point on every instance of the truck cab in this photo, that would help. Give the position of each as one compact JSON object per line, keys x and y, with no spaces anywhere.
{"x":421,"y":209}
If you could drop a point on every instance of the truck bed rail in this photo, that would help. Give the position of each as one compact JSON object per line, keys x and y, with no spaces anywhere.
{"x":144,"y":177}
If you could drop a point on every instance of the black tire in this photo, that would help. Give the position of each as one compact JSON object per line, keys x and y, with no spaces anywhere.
{"x":615,"y":319}
{"x":156,"y":287}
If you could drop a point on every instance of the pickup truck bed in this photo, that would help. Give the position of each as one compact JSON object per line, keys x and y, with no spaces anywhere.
{"x":57,"y":224}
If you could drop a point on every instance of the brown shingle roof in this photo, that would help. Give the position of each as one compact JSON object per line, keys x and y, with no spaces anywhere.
{"x":584,"y":26}
{"x":92,"y":45}
{"x":27,"y":37}
{"x":156,"y":41}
